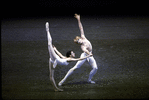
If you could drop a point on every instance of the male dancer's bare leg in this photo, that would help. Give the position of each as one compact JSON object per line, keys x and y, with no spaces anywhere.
{"x":52,"y":77}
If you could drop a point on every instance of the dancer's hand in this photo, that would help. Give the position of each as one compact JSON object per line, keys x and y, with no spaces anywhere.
{"x":54,"y":47}
{"x":91,"y":54}
{"x":77,"y":16}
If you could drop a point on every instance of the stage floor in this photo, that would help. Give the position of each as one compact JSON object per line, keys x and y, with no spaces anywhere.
{"x":122,"y":59}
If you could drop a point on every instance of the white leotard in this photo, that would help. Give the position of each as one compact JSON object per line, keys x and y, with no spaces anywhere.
{"x":59,"y":61}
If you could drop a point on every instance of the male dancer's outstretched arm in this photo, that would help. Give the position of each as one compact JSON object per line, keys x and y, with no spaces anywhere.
{"x":80,"y":25}
{"x":85,"y":43}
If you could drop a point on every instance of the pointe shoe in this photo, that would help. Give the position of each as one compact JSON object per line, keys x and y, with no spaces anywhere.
{"x":47,"y":26}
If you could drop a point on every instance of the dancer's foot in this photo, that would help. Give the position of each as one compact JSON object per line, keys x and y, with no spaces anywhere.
{"x":58,"y":90}
{"x":92,"y":82}
{"x":60,"y":84}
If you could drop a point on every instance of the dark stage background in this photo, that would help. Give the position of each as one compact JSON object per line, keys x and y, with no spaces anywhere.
{"x":118,"y":31}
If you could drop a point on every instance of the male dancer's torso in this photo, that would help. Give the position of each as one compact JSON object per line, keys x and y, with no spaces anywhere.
{"x":86,"y":43}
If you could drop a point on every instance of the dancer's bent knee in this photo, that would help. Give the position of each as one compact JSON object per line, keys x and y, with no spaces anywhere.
{"x":96,"y":68}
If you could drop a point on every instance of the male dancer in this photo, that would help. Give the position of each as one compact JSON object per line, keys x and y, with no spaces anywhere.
{"x":55,"y":59}
{"x":87,"y":50}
